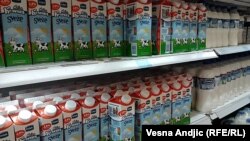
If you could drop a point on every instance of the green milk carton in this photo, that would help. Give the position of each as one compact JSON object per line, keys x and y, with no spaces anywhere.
{"x":202,"y":26}
{"x":40,"y":30}
{"x":115,"y":28}
{"x":2,"y":63}
{"x":81,"y":32}
{"x":15,"y":31}
{"x":98,"y":16}
{"x":185,"y":27}
{"x":193,"y":19}
{"x":139,"y":14}
{"x":125,"y":25}
{"x":62,"y":29}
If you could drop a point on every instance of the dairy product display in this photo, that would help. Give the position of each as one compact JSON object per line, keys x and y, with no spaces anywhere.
{"x":234,"y":27}
{"x":242,"y":117}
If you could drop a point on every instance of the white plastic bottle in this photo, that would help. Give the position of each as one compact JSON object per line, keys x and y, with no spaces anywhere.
{"x":234,"y":27}
{"x":241,"y":28}
{"x":225,"y":22}
{"x":219,"y":39}
{"x":209,"y":28}
{"x":214,"y":28}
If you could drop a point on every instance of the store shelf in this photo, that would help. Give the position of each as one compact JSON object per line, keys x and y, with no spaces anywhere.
{"x":24,"y":75}
{"x":232,"y":49}
{"x":231,"y":106}
{"x":200,"y":119}
{"x":244,"y":3}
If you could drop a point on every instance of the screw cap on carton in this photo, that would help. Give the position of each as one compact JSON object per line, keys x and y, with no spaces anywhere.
{"x":185,"y":83}
{"x":155,"y":89}
{"x":50,"y":110}
{"x":144,"y":93}
{"x":176,"y":85}
{"x":2,"y":121}
{"x":10,"y":108}
{"x":89,"y":101}
{"x":57,"y":99}
{"x":75,"y":95}
{"x":24,"y":116}
{"x":36,"y":103}
{"x":105,"y":97}
{"x":165,"y":87}
{"x":126,"y":99}
{"x":90,"y":93}
{"x":70,"y":105}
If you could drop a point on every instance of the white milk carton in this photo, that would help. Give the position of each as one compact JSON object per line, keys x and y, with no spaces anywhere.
{"x":9,"y":106}
{"x":115,"y":28}
{"x":185,"y":27}
{"x":40,"y":30}
{"x":122,"y":112}
{"x":81,"y":32}
{"x":99,"y":28}
{"x":26,"y":125}
{"x":33,"y":102}
{"x":51,"y":122}
{"x":177,"y":38}
{"x":166,"y":100}
{"x":14,"y":21}
{"x":6,"y":128}
{"x":187,"y":100}
{"x":193,"y":26}
{"x":62,"y":29}
{"x":157,"y":105}
{"x":139,"y":13}
{"x":90,"y":118}
{"x":104,"y":117}
{"x":202,"y":26}
{"x":176,"y":102}
{"x":161,"y":27}
{"x":72,"y":120}
{"x":143,"y":110}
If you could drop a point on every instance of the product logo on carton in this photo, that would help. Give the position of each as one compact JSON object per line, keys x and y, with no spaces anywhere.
{"x":4,"y":135}
{"x":29,"y":128}
{"x":19,"y":133}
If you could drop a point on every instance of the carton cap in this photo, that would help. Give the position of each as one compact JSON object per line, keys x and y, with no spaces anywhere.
{"x":36,"y":103}
{"x":2,"y":121}
{"x":70,"y":105}
{"x":176,"y":85}
{"x":185,"y":83}
{"x":155,"y":89}
{"x":144,"y":93}
{"x":90,"y":93}
{"x":115,"y":1}
{"x":89,"y":101}
{"x":106,"y":89}
{"x":10,"y":108}
{"x":165,"y":87}
{"x":105,"y":97}
{"x":57,"y":99}
{"x":50,"y":110}
{"x":75,"y":95}
{"x":24,"y":116}
{"x":126,"y":99}
{"x":131,"y":89}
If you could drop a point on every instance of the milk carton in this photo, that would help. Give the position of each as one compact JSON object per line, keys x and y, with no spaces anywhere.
{"x":115,"y":27}
{"x":177,"y":38}
{"x":104,"y":117}
{"x":26,"y":125}
{"x":2,"y":62}
{"x":176,"y":102}
{"x":90,"y":118}
{"x":187,"y":100}
{"x":72,"y":120}
{"x":125,"y":25}
{"x":161,"y":27}
{"x":6,"y":128}
{"x":33,"y":102}
{"x":99,"y":28}
{"x":185,"y":27}
{"x":143,"y":110}
{"x":9,"y":106}
{"x":166,"y":101}
{"x":81,"y":32}
{"x":61,"y":23}
{"x":193,"y":26}
{"x":139,"y":15}
{"x":15,"y":31}
{"x":40,"y":30}
{"x":122,"y":112}
{"x":51,"y":122}
{"x":157,"y":105}
{"x":202,"y":26}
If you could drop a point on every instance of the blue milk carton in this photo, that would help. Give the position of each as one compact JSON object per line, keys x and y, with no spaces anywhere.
{"x":72,"y":120}
{"x":125,"y":25}
{"x":51,"y":122}
{"x":40,"y":30}
{"x":143,"y":110}
{"x":115,"y":28}
{"x":185,"y":27}
{"x":166,"y":100}
{"x":99,"y":28}
{"x":90,"y":118}
{"x":161,"y":27}
{"x":139,"y":14}
{"x":122,"y":112}
{"x":104,"y":117}
{"x":157,"y":105}
{"x":81,"y":29}
{"x":202,"y":26}
{"x":193,"y":26}
{"x":62,"y":29}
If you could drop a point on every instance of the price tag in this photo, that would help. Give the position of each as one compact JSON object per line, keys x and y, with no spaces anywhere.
{"x":143,"y":63}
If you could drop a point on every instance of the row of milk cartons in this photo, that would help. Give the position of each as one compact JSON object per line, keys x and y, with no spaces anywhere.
{"x":43,"y":30}
{"x":178,"y":26}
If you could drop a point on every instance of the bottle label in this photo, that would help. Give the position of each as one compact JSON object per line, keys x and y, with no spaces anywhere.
{"x":223,"y":79}
{"x":206,"y":83}
{"x":226,"y":23}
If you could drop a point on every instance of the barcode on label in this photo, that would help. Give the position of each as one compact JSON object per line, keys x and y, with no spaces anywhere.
{"x":134,"y":49}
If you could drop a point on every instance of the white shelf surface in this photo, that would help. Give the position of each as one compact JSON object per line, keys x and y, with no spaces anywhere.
{"x":232,"y":49}
{"x":32,"y":74}
{"x":200,"y":119}
{"x":231,"y":106}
